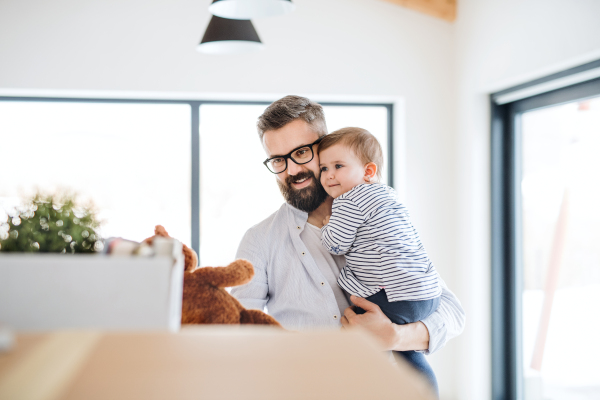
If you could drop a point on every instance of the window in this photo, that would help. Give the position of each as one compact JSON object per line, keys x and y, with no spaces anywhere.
{"x":133,"y":160}
{"x":150,"y":162}
{"x":236,"y":190}
{"x":546,"y":253}
{"x":560,"y":193}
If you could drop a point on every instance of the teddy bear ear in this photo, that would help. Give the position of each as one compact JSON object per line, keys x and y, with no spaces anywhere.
{"x":160,"y":231}
{"x":191,"y":259}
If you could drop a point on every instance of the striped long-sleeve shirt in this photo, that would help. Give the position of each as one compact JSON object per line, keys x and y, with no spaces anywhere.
{"x":382,"y":248}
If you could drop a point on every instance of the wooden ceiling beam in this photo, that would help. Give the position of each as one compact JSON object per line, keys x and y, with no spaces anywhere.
{"x":444,"y":9}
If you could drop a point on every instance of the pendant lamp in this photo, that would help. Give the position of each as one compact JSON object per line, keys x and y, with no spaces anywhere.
{"x":229,"y":36}
{"x":248,"y":9}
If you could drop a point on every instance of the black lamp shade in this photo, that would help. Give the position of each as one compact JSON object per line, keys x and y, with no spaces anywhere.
{"x":249,"y":9}
{"x":229,"y":36}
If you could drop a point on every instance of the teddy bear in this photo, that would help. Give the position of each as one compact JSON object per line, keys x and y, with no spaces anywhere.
{"x":190,"y":258}
{"x":205,"y":301}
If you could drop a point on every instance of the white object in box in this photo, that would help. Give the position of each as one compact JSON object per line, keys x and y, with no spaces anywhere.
{"x":41,"y":292}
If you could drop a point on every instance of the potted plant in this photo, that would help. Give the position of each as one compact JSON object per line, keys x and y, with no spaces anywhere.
{"x":50,"y":224}
{"x":42,"y":289}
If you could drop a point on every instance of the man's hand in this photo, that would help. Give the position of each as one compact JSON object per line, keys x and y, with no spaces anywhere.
{"x":373,"y":321}
{"x":413,"y":336}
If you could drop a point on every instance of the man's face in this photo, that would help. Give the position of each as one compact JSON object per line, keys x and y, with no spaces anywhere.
{"x":299,"y":184}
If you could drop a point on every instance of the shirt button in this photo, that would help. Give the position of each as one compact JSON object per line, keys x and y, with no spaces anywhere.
{"x":303,"y":253}
{"x":335,"y":317}
{"x":322,"y":283}
{"x":298,"y":227}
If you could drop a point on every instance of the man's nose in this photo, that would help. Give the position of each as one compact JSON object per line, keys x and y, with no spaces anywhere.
{"x":293,"y":168}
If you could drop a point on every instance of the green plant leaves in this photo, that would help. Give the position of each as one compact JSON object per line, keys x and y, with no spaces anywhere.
{"x":48,"y":224}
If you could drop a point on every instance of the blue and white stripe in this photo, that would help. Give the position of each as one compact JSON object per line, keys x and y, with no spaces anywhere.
{"x":382,"y":248}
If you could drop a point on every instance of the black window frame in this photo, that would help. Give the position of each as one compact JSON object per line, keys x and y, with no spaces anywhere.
{"x":506,"y":252}
{"x":195,"y":135}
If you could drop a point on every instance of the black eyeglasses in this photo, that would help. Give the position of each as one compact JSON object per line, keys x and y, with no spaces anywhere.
{"x":300,"y":155}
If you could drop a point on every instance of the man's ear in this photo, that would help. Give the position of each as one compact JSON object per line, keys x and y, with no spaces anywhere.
{"x":370,"y":171}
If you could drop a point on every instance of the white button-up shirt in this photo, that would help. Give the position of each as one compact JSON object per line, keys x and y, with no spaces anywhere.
{"x":289,"y":284}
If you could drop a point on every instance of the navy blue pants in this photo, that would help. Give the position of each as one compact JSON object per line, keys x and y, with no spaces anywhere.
{"x":405,"y":312}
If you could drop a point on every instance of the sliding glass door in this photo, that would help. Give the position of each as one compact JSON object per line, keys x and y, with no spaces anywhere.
{"x":560,"y":197}
{"x":546,"y":190}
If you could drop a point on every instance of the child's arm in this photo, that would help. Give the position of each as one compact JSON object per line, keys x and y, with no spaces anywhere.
{"x":339,"y":233}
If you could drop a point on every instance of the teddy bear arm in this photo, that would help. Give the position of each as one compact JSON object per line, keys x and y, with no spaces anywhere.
{"x":237,"y":273}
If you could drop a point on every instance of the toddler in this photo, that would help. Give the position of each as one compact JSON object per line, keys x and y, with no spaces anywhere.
{"x":385,"y":260}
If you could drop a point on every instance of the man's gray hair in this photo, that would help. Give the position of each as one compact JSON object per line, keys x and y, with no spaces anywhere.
{"x":291,"y":108}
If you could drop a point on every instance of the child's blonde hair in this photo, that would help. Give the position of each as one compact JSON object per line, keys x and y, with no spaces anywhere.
{"x":364,"y":145}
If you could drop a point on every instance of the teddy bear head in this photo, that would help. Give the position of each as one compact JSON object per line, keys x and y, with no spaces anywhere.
{"x":190,"y":256}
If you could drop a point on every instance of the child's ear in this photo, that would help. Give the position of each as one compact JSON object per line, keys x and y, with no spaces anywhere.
{"x":370,"y":171}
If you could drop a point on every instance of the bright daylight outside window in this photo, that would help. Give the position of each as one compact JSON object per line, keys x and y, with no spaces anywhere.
{"x":236,"y":190}
{"x":132,"y":160}
{"x":561,"y":251}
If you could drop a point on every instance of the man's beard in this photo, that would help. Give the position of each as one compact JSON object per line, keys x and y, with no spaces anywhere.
{"x":306,"y":199}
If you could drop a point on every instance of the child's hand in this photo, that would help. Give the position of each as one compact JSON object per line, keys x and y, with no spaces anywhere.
{"x":326,"y":220}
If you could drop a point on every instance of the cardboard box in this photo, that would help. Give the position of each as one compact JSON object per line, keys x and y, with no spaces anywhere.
{"x":207,"y":362}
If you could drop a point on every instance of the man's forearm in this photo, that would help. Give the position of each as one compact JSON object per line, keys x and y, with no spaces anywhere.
{"x":414,"y":336}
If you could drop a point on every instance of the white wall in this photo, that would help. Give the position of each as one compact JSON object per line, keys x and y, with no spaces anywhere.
{"x":325,"y":47}
{"x":500,"y":44}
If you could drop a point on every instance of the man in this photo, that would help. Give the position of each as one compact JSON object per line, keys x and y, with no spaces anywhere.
{"x":295,"y":277}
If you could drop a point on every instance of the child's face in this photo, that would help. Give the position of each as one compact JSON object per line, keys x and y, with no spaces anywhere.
{"x":341,"y":170}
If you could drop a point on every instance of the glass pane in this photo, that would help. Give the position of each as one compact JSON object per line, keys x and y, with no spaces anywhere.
{"x":237,"y":192}
{"x":561,"y":251}
{"x":373,"y":119}
{"x":241,"y":192}
{"x":132,"y":160}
